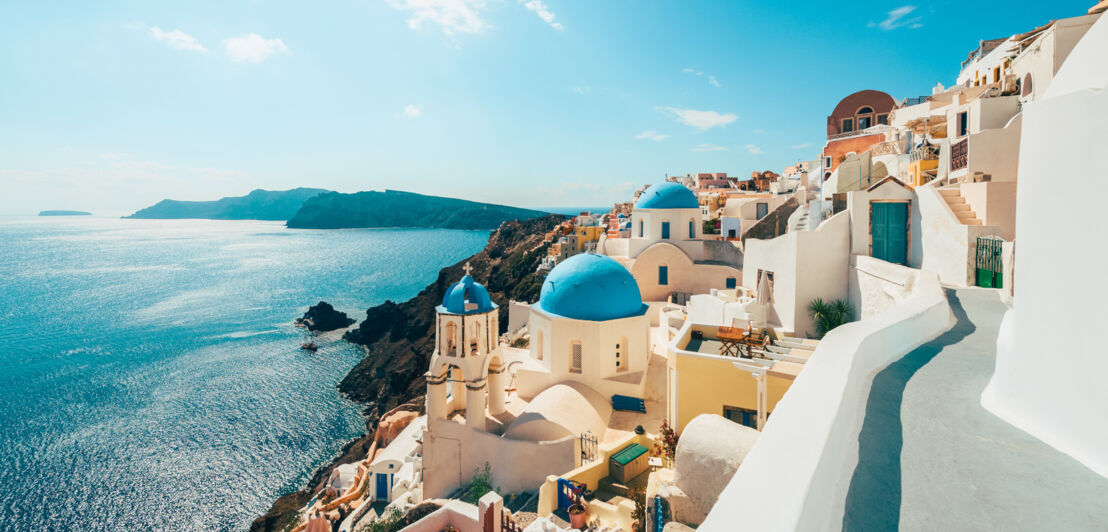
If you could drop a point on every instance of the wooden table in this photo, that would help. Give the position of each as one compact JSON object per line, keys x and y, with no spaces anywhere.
{"x":731,"y":339}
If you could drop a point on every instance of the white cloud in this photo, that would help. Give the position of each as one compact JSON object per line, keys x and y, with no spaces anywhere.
{"x":177,"y":39}
{"x":252,"y":48}
{"x":898,"y":18}
{"x":699,"y":119}
{"x":651,"y":135}
{"x":707,"y":147}
{"x":412,"y":111}
{"x":582,"y":90}
{"x":800,"y":146}
{"x":754,"y":150}
{"x":759,"y":131}
{"x":711,"y":79}
{"x":543,"y":12}
{"x":452,"y":16}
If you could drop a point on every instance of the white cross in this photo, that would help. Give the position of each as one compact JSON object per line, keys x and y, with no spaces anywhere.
{"x":467,"y":268}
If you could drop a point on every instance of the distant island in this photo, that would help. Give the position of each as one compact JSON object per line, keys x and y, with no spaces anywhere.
{"x":257,"y":205}
{"x":393,"y":208}
{"x":64,"y":213}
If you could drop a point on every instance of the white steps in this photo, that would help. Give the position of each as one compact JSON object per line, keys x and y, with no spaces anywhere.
{"x":962,"y":210}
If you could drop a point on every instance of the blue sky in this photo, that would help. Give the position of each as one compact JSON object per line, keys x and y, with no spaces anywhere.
{"x":111,"y":106}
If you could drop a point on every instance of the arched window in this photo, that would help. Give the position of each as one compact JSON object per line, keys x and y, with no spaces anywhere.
{"x":692,"y":229}
{"x":866,"y":110}
{"x":451,"y":334}
{"x":1026,"y":89}
{"x":575,"y":356}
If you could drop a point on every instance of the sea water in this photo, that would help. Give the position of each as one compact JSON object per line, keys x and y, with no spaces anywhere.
{"x":150,"y":373}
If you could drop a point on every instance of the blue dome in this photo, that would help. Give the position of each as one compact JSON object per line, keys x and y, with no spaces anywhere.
{"x":591,"y":287}
{"x":466,"y":297}
{"x":668,"y":195}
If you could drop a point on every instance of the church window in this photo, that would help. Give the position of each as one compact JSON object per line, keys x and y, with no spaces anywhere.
{"x":575,"y":356}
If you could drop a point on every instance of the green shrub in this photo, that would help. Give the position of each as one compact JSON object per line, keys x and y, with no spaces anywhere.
{"x":830,"y":315}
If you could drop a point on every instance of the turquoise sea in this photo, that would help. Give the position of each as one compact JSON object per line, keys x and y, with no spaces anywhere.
{"x":150,"y":375}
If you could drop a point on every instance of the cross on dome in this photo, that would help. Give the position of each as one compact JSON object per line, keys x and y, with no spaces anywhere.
{"x":467,"y":268}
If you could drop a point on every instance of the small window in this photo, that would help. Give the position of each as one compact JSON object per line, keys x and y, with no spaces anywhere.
{"x":848,"y":125}
{"x":883,"y":119}
{"x":692,"y":229}
{"x":665,"y":230}
{"x":575,"y":356}
{"x":640,"y":228}
{"x":864,"y":122}
{"x":742,"y":416}
{"x":827,"y":162}
{"x":730,"y":283}
{"x":867,"y":110}
{"x":963,"y":123}
{"x":761,"y":210}
{"x":663,"y":275}
{"x":996,"y":74}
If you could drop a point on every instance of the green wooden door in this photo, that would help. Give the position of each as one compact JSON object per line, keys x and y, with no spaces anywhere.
{"x":990,"y":267}
{"x":889,"y":223}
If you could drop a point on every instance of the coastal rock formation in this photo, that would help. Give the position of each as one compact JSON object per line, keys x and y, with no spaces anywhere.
{"x":399,"y":337}
{"x":393,"y":208}
{"x":324,"y":317}
{"x":257,"y":205}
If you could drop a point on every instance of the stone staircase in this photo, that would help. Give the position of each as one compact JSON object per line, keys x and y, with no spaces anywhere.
{"x":958,"y":205}
{"x":802,"y":220}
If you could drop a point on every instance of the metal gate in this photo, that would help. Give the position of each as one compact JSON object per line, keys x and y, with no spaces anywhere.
{"x":990,"y":265}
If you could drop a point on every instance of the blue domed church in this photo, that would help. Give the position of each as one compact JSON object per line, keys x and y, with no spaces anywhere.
{"x":666,"y":250}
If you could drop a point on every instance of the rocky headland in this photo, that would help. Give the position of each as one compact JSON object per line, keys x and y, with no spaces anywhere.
{"x":393,"y":208}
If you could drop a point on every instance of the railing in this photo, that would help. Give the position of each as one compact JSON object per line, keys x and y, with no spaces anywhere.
{"x":959,"y":155}
{"x":891,"y":147}
{"x":926,"y":152}
{"x":916,"y":101}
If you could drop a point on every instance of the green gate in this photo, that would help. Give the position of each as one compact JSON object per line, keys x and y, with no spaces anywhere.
{"x":990,"y":265}
{"x":889,"y":226}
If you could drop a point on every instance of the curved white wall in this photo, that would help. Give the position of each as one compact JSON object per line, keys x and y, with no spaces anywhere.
{"x":1050,"y":365}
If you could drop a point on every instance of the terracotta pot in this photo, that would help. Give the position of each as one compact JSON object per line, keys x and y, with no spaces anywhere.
{"x":580,"y":519}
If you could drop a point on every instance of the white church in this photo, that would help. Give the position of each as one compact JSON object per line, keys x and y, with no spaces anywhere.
{"x":589,"y":341}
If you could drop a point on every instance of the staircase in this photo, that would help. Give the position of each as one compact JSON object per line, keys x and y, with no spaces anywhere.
{"x":802,"y":220}
{"x":958,"y":205}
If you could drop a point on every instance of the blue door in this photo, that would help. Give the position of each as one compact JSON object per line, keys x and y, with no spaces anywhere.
{"x":692,"y":229}
{"x":663,"y":275}
{"x":382,"y":487}
{"x":889,"y":223}
{"x":665,"y":230}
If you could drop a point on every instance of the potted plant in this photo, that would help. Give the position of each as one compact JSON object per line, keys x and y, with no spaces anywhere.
{"x":578,"y":513}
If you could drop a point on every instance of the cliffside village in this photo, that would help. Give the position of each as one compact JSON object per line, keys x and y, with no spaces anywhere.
{"x":854,"y":341}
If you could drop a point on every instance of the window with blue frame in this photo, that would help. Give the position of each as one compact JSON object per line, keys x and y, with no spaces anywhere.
{"x":692,"y":229}
{"x":730,"y":282}
{"x":741,"y":416}
{"x":663,"y":275}
{"x":665,"y":230}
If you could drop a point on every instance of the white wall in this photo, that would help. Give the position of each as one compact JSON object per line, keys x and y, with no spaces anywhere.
{"x":598,"y":343}
{"x":1050,"y":365}
{"x":452,"y":452}
{"x":805,"y":265}
{"x":794,"y":477}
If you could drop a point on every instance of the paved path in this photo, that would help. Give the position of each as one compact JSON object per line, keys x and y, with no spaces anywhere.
{"x":931,"y":458}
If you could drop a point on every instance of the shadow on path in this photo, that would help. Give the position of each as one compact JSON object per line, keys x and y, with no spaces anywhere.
{"x":873,"y":499}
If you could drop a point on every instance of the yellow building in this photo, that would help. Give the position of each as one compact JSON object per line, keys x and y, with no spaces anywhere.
{"x":701,"y":380}
{"x":586,"y":234}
